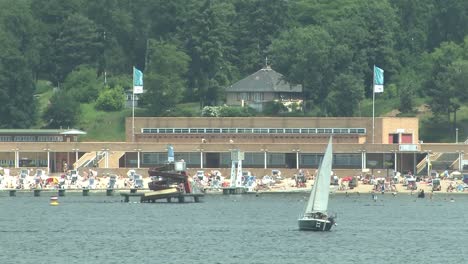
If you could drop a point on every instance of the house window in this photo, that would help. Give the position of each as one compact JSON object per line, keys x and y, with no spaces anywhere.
{"x":257,"y":97}
{"x":242,"y":96}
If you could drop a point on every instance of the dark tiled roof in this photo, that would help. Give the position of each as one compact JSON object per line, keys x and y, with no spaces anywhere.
{"x":264,"y":80}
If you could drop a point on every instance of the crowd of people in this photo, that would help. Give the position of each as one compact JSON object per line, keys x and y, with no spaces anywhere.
{"x":29,"y":179}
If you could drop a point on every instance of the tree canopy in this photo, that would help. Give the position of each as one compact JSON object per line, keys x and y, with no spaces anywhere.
{"x":190,"y":50}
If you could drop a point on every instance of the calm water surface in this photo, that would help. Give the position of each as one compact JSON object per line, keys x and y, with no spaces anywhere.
{"x":231,"y":229}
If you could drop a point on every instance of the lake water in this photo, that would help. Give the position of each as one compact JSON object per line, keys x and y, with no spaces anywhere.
{"x":231,"y":229}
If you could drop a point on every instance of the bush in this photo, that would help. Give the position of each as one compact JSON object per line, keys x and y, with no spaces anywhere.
{"x":273,"y":108}
{"x":227,"y":111}
{"x":210,"y":111}
{"x":111,"y":99}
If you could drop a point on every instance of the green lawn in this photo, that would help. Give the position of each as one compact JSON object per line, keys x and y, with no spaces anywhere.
{"x":101,"y":125}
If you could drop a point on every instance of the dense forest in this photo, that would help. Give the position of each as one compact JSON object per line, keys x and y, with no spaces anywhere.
{"x":190,"y":50}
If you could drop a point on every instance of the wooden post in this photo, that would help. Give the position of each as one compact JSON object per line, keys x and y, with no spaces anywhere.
{"x":181,"y":199}
{"x":127,"y":198}
{"x":12,"y":193}
{"x":133,"y":190}
{"x":37,"y":193}
{"x":196,"y":198}
{"x":85,"y":192}
{"x":61,"y":192}
{"x":110,"y":192}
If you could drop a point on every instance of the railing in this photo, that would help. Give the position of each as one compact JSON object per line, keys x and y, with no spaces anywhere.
{"x":422,"y":165}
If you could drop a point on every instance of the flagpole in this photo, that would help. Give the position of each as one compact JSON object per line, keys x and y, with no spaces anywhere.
{"x":133,"y":105}
{"x":373,"y":103}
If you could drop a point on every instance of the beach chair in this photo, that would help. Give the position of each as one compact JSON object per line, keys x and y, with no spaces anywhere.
{"x":138,"y":183}
{"x":91,"y":182}
{"x":112,"y":181}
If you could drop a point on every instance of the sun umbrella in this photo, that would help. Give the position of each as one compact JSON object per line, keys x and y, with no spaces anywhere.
{"x":52,"y":180}
{"x":348,"y":178}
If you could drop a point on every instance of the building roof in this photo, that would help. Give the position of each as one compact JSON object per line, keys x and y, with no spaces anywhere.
{"x":264,"y":80}
{"x":42,"y":131}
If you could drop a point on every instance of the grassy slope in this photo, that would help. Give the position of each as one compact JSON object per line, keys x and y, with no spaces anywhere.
{"x":103,"y":126}
{"x":42,"y":101}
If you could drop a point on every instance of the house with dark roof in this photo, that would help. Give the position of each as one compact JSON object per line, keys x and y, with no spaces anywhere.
{"x":265,"y":85}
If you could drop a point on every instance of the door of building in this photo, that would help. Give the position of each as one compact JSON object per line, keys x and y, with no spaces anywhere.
{"x":393,"y":138}
{"x":407,"y":138}
{"x":212,"y":160}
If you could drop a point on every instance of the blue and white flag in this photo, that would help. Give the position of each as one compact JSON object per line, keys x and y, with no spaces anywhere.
{"x":137,"y":81}
{"x":378,"y":80}
{"x":170,"y":153}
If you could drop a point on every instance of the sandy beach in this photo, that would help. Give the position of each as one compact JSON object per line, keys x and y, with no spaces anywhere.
{"x":287,"y":185}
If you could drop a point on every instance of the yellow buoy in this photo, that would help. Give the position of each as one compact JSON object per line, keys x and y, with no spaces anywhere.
{"x":54,"y":200}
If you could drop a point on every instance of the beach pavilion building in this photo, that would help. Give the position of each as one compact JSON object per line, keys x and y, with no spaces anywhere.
{"x":285,"y":143}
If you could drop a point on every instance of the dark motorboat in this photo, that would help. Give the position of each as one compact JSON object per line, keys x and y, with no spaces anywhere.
{"x":167,"y":177}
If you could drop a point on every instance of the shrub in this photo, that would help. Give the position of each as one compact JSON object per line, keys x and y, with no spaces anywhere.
{"x":111,"y":99}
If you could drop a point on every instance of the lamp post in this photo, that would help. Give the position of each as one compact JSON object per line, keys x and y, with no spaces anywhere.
{"x":138,"y":150}
{"x":297,"y":157}
{"x":201,"y":156}
{"x":48,"y":159}
{"x":106,"y":160}
{"x":395,"y":160}
{"x":428,"y":162}
{"x":461,"y":155}
{"x":363,"y":159}
{"x":16,"y":150}
{"x":75,"y":166}
{"x":264,"y":150}
{"x":456,"y":135}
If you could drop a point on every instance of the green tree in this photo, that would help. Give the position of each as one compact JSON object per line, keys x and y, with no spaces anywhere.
{"x":439,"y":85}
{"x":18,"y":57}
{"x":304,"y":56}
{"x":414,"y":17}
{"x":346,"y":93}
{"x":83,"y":84}
{"x":257,"y":23}
{"x":111,"y":99}
{"x":63,"y":111}
{"x":79,"y":43}
{"x":164,"y":76}
{"x":449,"y":22}
{"x":50,"y":16}
{"x":209,"y":44}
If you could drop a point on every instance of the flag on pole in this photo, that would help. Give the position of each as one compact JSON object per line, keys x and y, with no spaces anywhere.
{"x":378,"y":80}
{"x":137,"y":81}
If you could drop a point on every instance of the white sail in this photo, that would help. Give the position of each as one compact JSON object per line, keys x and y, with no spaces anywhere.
{"x":318,"y":201}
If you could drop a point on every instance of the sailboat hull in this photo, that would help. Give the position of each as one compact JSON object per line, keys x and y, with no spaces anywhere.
{"x":312,"y":224}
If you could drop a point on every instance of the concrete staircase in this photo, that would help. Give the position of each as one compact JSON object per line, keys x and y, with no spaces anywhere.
{"x":114,"y":158}
{"x":439,"y":162}
{"x":85,"y":160}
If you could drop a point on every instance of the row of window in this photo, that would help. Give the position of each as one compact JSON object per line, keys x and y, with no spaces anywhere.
{"x":223,"y":159}
{"x":25,"y":163}
{"x":7,"y":162}
{"x":253,"y":130}
{"x":250,"y":96}
{"x":31,"y":138}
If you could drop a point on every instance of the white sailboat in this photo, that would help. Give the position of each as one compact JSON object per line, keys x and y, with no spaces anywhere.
{"x":316,"y":217}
